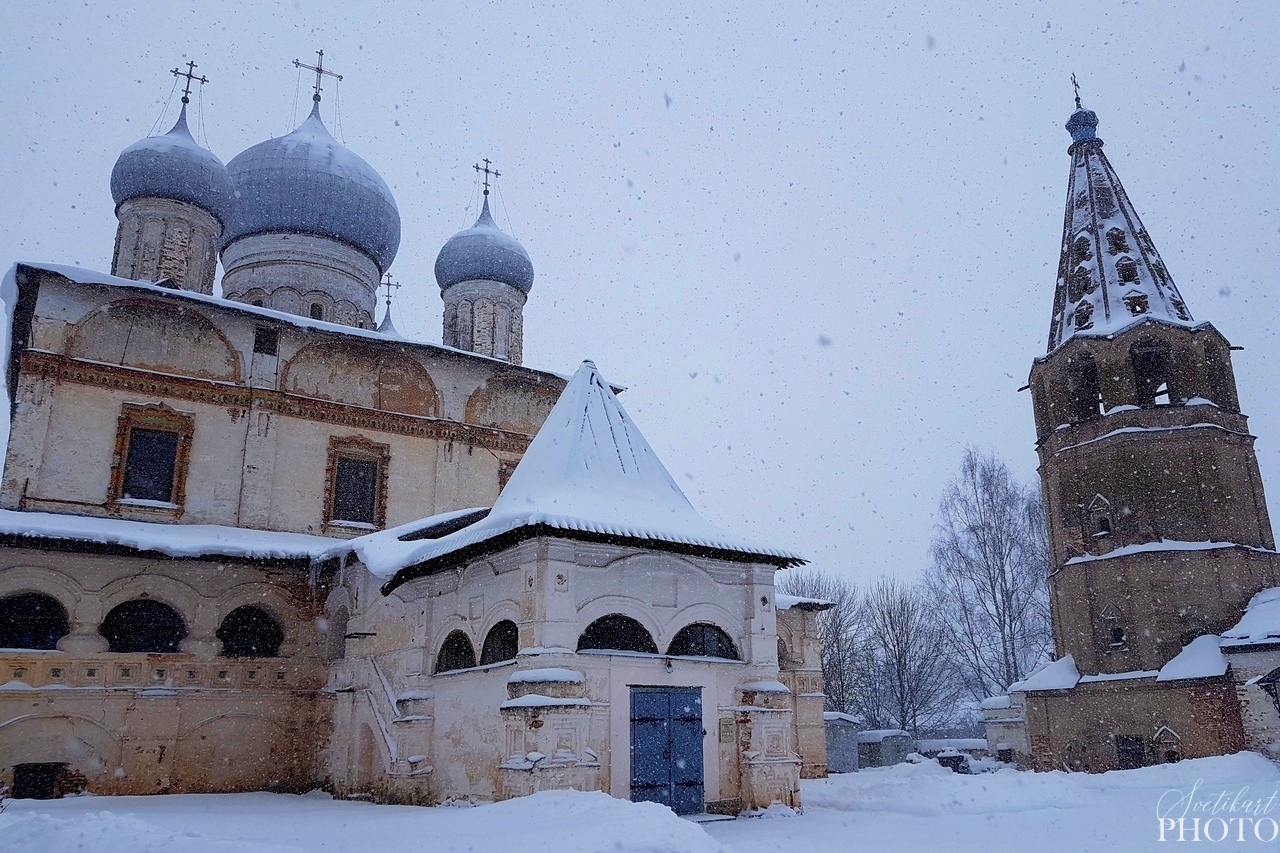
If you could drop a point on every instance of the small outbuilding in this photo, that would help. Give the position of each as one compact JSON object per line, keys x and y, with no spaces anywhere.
{"x":842,"y":741}
{"x":884,"y":747}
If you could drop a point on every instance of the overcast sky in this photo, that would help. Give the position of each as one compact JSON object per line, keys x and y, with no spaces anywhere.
{"x":817,"y":242}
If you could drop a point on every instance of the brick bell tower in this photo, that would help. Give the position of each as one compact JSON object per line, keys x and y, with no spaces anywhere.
{"x":1157,"y":522}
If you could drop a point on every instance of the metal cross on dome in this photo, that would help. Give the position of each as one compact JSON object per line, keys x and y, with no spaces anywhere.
{"x":191,"y":78}
{"x":487,"y":172}
{"x":320,"y":72}
{"x":1076,"y":85}
{"x":388,"y":284}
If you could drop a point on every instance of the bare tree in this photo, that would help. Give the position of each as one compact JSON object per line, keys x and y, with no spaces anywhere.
{"x":912,"y":684}
{"x":989,"y":575}
{"x":838,"y":631}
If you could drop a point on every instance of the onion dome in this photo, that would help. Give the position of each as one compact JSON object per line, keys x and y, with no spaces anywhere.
{"x":174,"y":166}
{"x":306,"y":182}
{"x":483,"y":251}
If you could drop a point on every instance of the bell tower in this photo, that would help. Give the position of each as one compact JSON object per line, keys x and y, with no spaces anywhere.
{"x":1157,"y":521}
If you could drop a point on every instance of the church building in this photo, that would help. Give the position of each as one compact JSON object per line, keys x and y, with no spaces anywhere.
{"x":250,"y":539}
{"x":1159,"y":535}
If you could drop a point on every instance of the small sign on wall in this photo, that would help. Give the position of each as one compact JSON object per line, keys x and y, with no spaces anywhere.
{"x":727,"y":734}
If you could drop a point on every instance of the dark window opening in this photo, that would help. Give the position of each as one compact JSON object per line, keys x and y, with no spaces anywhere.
{"x":143,"y":625}
{"x":40,"y":781}
{"x":266,"y":341}
{"x":1215,"y":367}
{"x":1117,"y":637}
{"x":456,"y":653}
{"x":1085,"y":391}
{"x":1131,"y":752}
{"x":1104,"y":526}
{"x":317,"y":311}
{"x":355,"y":490}
{"x":702,"y":640}
{"x":1081,"y":251}
{"x":1171,"y":756}
{"x":1150,"y":361}
{"x":250,"y":631}
{"x":1127,"y":269}
{"x":616,"y":632}
{"x":1268,"y":683}
{"x":502,"y":643}
{"x":257,"y":303}
{"x":32,"y":620}
{"x":150,"y":465}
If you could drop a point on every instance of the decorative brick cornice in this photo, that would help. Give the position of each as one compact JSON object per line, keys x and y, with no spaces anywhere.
{"x":52,"y":366}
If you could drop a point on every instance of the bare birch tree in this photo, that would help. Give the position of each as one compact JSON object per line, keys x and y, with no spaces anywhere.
{"x":838,"y":631}
{"x":989,"y":575}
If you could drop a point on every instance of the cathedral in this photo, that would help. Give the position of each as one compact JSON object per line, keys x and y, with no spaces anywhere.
{"x":1163,"y":565}
{"x":490,"y":587}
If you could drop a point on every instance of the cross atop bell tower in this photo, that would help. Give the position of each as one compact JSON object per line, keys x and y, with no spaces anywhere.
{"x":320,"y":71}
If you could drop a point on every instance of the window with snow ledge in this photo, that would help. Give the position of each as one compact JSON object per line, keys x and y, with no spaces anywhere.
{"x":317,"y":311}
{"x":619,"y":633}
{"x":153,"y":448}
{"x":703,"y":640}
{"x":456,"y":652}
{"x":1151,"y":362}
{"x":501,"y":643}
{"x":356,"y":483}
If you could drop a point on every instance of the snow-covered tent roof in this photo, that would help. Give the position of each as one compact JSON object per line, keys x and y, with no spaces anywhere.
{"x":1260,"y":625}
{"x":1110,"y":276}
{"x":588,"y":474}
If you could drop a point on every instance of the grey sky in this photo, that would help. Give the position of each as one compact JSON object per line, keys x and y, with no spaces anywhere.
{"x":818,"y":243}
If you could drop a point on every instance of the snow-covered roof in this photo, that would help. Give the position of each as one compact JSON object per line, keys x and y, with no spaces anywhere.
{"x":840,"y":717}
{"x":1198,"y":659}
{"x":879,"y":735}
{"x":484,"y":252}
{"x":1060,"y":674}
{"x":1259,"y":625}
{"x":786,"y":602}
{"x":1110,"y":276}
{"x":996,"y":703}
{"x":80,"y":275}
{"x":589,"y":472}
{"x":307,"y":182}
{"x":172,"y":540}
{"x":964,"y":744}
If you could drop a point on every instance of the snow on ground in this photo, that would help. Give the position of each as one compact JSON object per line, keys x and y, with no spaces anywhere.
{"x":903,"y":808}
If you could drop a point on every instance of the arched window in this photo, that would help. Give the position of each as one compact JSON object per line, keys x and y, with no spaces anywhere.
{"x":1150,"y":361}
{"x":784,"y":654}
{"x":31,"y":620}
{"x":143,"y":625}
{"x":1082,"y":384}
{"x":616,"y":632}
{"x":1127,"y":269}
{"x":317,"y":311}
{"x":1216,"y":376}
{"x":456,"y":653}
{"x":501,"y":644}
{"x":250,"y":632}
{"x":337,"y":645}
{"x":704,"y":641}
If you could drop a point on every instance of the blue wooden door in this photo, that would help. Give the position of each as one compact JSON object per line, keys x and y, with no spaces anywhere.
{"x":666,"y":747}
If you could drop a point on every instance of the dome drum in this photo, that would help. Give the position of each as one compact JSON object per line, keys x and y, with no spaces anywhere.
{"x":282,"y":269}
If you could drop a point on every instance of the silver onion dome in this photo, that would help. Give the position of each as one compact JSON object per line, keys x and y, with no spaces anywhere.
{"x":174,"y":166}
{"x":307,"y":182}
{"x":484,"y":252}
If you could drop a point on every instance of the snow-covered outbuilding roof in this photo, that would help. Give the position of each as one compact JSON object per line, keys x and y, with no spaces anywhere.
{"x":787,"y":602}
{"x":881,"y":735}
{"x":180,"y":541}
{"x":1110,"y":276}
{"x":1260,"y":625}
{"x":588,"y":474}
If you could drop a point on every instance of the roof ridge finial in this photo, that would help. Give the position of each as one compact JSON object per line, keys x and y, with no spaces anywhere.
{"x":320,"y":71}
{"x":191,"y":78}
{"x":1076,"y":85}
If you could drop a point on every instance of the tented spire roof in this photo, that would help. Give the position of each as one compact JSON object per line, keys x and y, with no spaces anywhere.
{"x":1110,"y":275}
{"x":588,"y":472}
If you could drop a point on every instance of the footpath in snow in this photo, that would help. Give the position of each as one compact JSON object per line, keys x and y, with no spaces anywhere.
{"x":903,"y":808}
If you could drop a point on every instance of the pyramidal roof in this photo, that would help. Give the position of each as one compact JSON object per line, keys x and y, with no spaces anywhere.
{"x":588,"y":473}
{"x":1110,"y":275}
